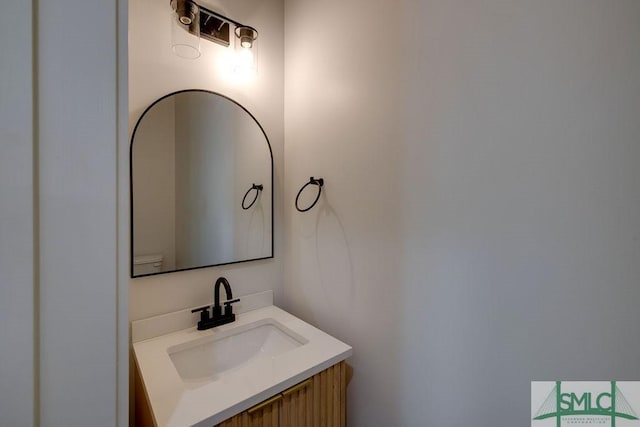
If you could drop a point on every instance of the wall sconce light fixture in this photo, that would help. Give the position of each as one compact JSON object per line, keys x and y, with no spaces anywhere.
{"x":185,"y":29}
{"x":191,"y":22}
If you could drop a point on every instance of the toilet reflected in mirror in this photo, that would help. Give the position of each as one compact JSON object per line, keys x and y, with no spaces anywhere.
{"x":147,"y":264}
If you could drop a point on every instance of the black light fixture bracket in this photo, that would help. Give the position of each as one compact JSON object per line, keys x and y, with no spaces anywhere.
{"x":213,"y":26}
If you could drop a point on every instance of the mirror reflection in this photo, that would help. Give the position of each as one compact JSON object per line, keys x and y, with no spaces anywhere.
{"x":198,"y":160}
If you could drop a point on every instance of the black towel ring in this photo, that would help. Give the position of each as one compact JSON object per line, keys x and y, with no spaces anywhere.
{"x":258,"y":189}
{"x":319,"y":182}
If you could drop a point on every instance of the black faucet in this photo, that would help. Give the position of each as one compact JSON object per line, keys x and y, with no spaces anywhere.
{"x":217,"y":318}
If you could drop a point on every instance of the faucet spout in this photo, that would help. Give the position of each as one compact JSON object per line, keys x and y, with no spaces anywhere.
{"x":216,"y":291}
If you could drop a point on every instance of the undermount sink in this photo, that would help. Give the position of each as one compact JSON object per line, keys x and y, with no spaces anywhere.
{"x":204,"y":360}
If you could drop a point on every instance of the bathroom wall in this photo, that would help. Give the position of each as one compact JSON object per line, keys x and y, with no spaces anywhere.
{"x":479,"y":226}
{"x":18,"y":351}
{"x":155,"y":71}
{"x":77,"y":90}
{"x":58,"y":285}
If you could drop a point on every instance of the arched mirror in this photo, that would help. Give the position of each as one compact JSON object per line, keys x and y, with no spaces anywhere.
{"x":201,"y":185}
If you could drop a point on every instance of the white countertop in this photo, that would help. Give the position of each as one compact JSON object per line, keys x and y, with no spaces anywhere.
{"x":174,"y":404}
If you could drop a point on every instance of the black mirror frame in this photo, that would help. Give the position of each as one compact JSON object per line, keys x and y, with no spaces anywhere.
{"x":133,"y":135}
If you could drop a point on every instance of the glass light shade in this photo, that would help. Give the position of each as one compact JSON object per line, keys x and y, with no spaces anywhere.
{"x":245,"y":62}
{"x":185,"y":29}
{"x":246,"y":51}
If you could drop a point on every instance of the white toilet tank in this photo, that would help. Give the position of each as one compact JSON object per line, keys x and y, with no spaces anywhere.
{"x":147,"y":264}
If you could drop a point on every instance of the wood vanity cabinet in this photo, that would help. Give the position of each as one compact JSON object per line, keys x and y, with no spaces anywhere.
{"x":319,"y":401}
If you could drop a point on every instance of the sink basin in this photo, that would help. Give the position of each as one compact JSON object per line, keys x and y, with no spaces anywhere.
{"x":207,"y":359}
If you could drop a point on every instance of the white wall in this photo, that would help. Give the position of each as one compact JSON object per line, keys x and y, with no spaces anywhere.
{"x":155,"y":71}
{"x":58,"y":168}
{"x":481,"y":225}
{"x":17,"y":351}
{"x":77,"y":173}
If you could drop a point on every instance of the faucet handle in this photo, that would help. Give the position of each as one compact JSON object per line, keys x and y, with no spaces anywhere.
{"x":204,"y":312}
{"x":227,"y":306}
{"x":204,"y":317}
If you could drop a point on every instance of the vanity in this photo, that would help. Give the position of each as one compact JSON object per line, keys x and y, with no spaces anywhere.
{"x":267,"y":368}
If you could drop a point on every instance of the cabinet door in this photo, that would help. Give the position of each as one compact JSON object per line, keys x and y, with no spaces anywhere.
{"x":265,"y":414}
{"x":297,"y":405}
{"x":319,"y":401}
